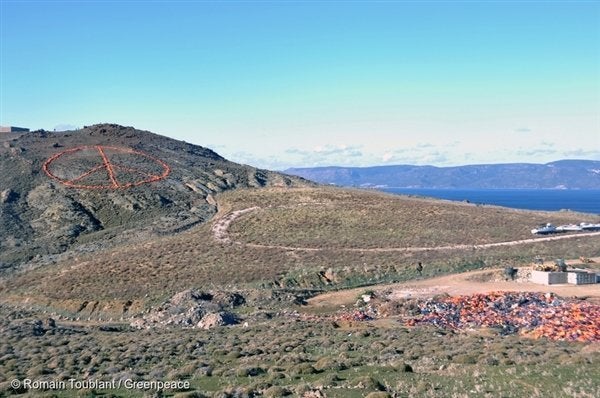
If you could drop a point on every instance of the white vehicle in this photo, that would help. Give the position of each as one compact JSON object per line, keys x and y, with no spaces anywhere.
{"x":544,"y":229}
{"x":586,"y":226}
{"x":569,"y":228}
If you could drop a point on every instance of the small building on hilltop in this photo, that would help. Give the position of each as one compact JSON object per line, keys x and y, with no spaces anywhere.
{"x":13,"y":129}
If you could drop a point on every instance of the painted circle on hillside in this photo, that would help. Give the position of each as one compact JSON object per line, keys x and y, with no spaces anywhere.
{"x":104,"y":167}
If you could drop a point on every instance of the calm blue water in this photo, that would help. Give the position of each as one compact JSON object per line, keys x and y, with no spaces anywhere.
{"x":587,"y":201}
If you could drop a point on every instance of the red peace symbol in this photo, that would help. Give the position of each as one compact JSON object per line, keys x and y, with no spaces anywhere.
{"x":104,"y":167}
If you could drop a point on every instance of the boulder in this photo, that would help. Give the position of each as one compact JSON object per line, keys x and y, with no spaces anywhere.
{"x":7,"y":196}
{"x":192,"y":308}
{"x":212,"y":320}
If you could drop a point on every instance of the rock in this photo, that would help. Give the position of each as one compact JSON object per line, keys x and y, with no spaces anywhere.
{"x":210,"y":200}
{"x":330,"y":275}
{"x":138,"y":323}
{"x":212,"y":320}
{"x":212,"y":187}
{"x":229,"y":299}
{"x":192,"y":308}
{"x":7,"y":196}
{"x":190,"y":296}
{"x":38,"y":328}
{"x":16,"y":151}
{"x":59,"y":216}
{"x":129,"y":202}
{"x":314,"y":393}
{"x":406,"y":368}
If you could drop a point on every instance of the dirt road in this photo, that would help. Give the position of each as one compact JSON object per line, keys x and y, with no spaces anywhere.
{"x":481,"y":281}
{"x":222,"y":224}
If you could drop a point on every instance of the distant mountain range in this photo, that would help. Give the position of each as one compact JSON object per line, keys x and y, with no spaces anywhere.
{"x":562,"y":174}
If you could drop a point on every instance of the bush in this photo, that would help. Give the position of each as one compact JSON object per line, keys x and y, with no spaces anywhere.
{"x":304,"y":369}
{"x":465,"y":359}
{"x":329,"y":381}
{"x":189,"y":394}
{"x":328,"y":363}
{"x":252,"y":371}
{"x":368,"y":383}
{"x":404,"y":367}
{"x":276,"y":391}
{"x":379,"y":394}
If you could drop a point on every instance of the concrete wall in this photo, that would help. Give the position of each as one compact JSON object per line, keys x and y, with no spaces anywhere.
{"x":559,"y":278}
{"x":13,"y":129}
{"x":581,"y":278}
{"x":548,"y":278}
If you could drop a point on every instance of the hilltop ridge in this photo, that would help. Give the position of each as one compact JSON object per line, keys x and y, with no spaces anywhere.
{"x":90,"y":186}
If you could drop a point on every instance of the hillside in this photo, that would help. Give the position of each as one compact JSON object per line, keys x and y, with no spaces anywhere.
{"x":106,"y":184}
{"x":570,"y":174}
{"x":304,"y":238}
{"x":222,"y":304}
{"x":131,"y":256}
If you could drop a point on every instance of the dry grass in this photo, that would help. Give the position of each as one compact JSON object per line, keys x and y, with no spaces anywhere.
{"x":148,"y":272}
{"x":292,"y":355}
{"x":336,"y":218}
{"x":280,"y":354}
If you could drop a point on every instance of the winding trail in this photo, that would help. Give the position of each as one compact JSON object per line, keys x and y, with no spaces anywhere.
{"x":221,"y":234}
{"x":219,"y":228}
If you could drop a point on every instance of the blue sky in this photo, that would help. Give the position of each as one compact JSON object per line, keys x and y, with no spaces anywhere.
{"x":281,"y":84}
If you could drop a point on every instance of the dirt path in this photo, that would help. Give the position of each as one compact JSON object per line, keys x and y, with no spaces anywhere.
{"x":221,"y":226}
{"x":456,"y":284}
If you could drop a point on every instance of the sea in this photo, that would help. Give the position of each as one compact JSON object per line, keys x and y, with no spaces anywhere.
{"x":586,"y":201}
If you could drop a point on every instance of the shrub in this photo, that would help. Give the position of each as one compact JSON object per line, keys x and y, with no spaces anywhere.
{"x":404,"y":367}
{"x":379,"y":394}
{"x":251,"y":371}
{"x":189,"y":394}
{"x":465,"y":359}
{"x":368,"y":383}
{"x":276,"y":391}
{"x":328,"y":363}
{"x":304,"y":369}
{"x":329,"y":380}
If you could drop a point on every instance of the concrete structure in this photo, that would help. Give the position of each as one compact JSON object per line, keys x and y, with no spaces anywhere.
{"x":548,"y":278}
{"x":13,"y":129}
{"x":581,"y":277}
{"x":574,"y":277}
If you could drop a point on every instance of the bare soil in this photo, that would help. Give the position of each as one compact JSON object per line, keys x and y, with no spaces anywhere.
{"x":456,"y":284}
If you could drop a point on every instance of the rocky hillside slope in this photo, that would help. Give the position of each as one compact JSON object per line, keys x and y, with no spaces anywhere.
{"x":106,"y":184}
